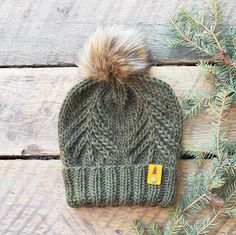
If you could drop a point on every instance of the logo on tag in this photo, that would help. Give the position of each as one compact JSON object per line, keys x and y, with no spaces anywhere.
{"x":154,"y":174}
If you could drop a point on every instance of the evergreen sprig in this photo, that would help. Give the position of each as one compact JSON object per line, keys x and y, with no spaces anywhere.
{"x":206,"y":34}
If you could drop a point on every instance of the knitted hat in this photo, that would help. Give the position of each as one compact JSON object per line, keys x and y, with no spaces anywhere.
{"x":119,"y":130}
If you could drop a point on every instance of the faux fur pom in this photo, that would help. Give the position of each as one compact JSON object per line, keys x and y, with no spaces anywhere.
{"x":114,"y":53}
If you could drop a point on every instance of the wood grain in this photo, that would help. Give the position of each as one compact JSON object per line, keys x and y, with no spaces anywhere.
{"x":30,"y":100}
{"x":33,"y":33}
{"x":33,"y":202}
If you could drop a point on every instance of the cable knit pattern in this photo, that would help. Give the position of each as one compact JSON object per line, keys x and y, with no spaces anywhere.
{"x":109,"y":132}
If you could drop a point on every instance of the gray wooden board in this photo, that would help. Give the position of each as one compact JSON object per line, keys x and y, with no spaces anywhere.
{"x":30,"y":99}
{"x":32,"y":201}
{"x":36,"y":33}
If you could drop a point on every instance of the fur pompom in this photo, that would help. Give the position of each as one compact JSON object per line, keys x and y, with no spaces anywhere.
{"x":114,"y":53}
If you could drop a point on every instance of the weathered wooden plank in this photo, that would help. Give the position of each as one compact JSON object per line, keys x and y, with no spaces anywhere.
{"x":52,"y":32}
{"x":33,"y":202}
{"x":30,"y":100}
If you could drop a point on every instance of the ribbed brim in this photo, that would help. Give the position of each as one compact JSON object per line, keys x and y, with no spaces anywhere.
{"x":117,"y":185}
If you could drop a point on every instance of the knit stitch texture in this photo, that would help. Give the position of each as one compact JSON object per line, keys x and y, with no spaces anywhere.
{"x":109,"y":132}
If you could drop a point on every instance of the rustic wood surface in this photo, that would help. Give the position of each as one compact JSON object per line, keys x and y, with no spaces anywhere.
{"x":30,"y":100}
{"x":32,"y":201}
{"x":37,"y":33}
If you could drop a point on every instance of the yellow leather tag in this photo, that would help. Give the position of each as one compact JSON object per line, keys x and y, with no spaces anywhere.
{"x":154,"y":174}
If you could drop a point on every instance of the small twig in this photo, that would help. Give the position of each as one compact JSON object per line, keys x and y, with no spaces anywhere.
{"x":215,"y":15}
{"x":219,"y":126}
{"x":203,"y":15}
{"x":194,"y":202}
{"x":222,"y":55}
{"x":218,"y":140}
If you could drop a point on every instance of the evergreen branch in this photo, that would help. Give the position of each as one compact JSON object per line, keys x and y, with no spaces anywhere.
{"x":153,"y":229}
{"x":179,"y":226}
{"x":203,"y":34}
{"x":186,"y":230}
{"x":200,"y":24}
{"x":199,"y":152}
{"x":138,"y":227}
{"x":195,"y":109}
{"x":187,"y":39}
{"x":221,"y":53}
{"x":176,"y":223}
{"x":218,"y":138}
{"x":194,"y":202}
{"x":220,"y":211}
{"x":213,"y":181}
{"x":230,"y":196}
{"x":220,"y":120}
{"x":220,"y":116}
{"x":209,"y":223}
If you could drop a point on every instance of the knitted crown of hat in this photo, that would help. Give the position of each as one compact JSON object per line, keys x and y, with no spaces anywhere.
{"x":115,"y":123}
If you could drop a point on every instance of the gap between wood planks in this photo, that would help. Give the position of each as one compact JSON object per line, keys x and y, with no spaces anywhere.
{"x":33,"y":202}
{"x":68,"y":65}
{"x":29,"y":108}
{"x":29,"y":157}
{"x":54,"y":157}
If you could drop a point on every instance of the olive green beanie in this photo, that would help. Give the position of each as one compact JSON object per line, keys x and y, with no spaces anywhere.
{"x":115,"y":123}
